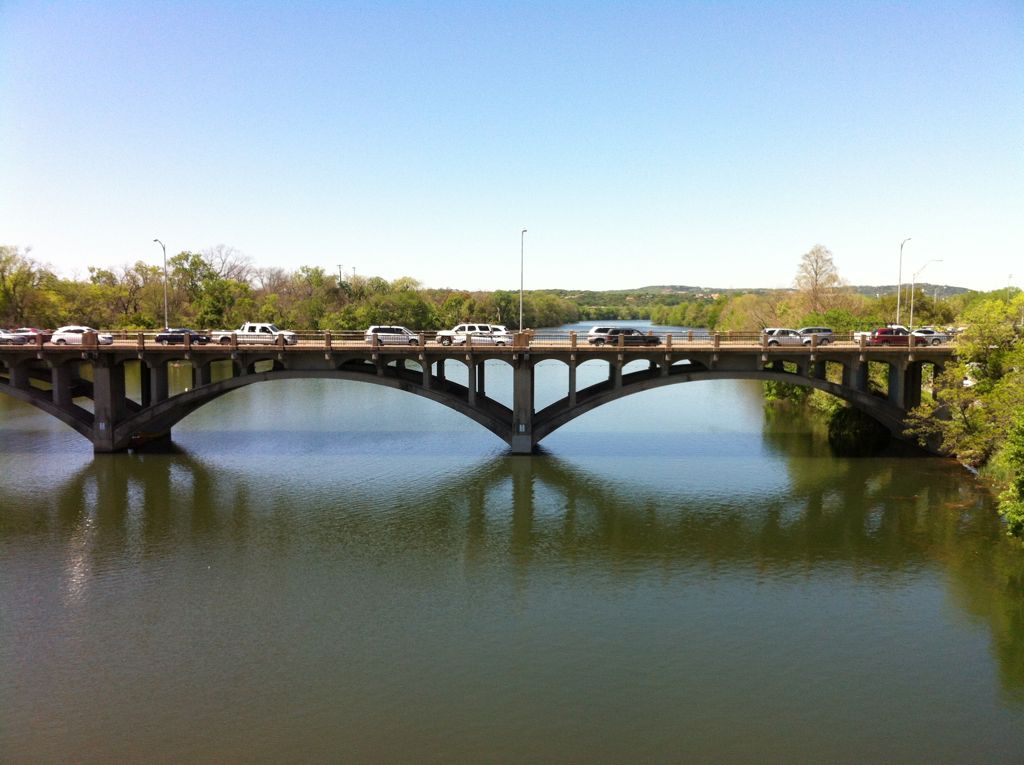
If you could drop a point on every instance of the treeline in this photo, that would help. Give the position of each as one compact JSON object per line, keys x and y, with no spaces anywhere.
{"x":977,"y":413}
{"x":220,"y":288}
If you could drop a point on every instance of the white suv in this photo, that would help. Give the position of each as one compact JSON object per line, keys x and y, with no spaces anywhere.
{"x":474,"y":334}
{"x":391,"y":335}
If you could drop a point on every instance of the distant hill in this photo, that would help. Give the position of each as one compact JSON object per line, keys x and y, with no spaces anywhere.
{"x":942,"y":290}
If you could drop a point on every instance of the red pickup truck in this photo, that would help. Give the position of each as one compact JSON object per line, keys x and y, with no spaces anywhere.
{"x":894,"y":336}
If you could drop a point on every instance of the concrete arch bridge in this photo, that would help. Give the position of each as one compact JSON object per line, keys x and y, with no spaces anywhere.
{"x":85,"y":386}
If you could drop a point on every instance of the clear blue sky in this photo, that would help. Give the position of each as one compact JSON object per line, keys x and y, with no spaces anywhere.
{"x":705,"y":143}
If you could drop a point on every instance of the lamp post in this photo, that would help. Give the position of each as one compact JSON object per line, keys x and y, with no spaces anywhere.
{"x":899,"y":284}
{"x":913,"y":281}
{"x":522,"y":235}
{"x":167,"y":322}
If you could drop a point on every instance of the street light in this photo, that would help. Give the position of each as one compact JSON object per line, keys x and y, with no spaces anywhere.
{"x":899,"y":284}
{"x":167,"y":323}
{"x":913,"y":281}
{"x":522,"y":235}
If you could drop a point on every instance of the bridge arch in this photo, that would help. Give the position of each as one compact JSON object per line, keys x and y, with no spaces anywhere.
{"x":564,"y":410}
{"x":162,"y":416}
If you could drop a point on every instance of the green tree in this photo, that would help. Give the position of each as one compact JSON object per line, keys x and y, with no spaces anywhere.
{"x":20,"y":281}
{"x":1011,"y":501}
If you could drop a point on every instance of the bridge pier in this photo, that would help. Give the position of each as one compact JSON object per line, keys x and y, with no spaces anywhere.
{"x":522,"y":406}
{"x":572,"y":378}
{"x":108,"y":402}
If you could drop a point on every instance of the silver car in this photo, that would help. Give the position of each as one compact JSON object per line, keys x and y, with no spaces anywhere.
{"x":824,"y":334}
{"x":931,"y":335}
{"x":10,"y":338}
{"x":782,"y":336}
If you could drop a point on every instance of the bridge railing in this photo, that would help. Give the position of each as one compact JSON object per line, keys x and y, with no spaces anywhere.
{"x":550,"y":338}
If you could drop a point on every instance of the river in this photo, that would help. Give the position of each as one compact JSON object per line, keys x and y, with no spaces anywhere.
{"x":326,"y":571}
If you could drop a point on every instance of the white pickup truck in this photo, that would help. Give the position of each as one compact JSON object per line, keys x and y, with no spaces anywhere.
{"x":475,"y":334}
{"x":255,"y":332}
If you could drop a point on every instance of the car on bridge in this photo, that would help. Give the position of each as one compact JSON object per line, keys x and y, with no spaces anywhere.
{"x":391,"y":335}
{"x":886,"y":336}
{"x":475,"y":334}
{"x":784,"y":336}
{"x":72,"y":334}
{"x":825,"y":335}
{"x":629,"y":335}
{"x":11,"y":338}
{"x":175,"y":335}
{"x":254,"y":332}
{"x":31,"y":333}
{"x":932,"y":335}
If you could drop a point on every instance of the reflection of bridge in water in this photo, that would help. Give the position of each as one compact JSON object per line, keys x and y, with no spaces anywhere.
{"x":879,"y":518}
{"x":86,"y":387}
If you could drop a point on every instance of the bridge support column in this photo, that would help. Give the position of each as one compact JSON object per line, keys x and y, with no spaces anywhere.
{"x":158,"y":382}
{"x":108,"y":402}
{"x":818,"y":370}
{"x":912,"y":385}
{"x":480,"y":388}
{"x":440,"y":370}
{"x":572,"y":380}
{"x":471,"y":379}
{"x":616,"y":372}
{"x":856,"y":376}
{"x":897,"y":374}
{"x":145,"y":385}
{"x":425,"y":366}
{"x":522,"y":406}
{"x":19,"y":375}
{"x":60,"y":381}
{"x":200,"y":374}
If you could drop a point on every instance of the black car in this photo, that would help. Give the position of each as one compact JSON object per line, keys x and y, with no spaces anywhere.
{"x":611,"y":335}
{"x":177,"y":335}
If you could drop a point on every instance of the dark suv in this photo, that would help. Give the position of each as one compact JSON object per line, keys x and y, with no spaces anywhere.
{"x":611,"y":335}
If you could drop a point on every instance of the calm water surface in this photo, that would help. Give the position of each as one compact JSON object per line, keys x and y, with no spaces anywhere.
{"x":326,"y":571}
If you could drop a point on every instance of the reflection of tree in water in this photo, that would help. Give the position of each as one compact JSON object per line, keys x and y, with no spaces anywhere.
{"x":880,"y":517}
{"x":921,"y":505}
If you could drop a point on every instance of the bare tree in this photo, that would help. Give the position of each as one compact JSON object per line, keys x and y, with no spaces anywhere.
{"x":228,"y":263}
{"x":818,"y":279}
{"x":271,"y":279}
